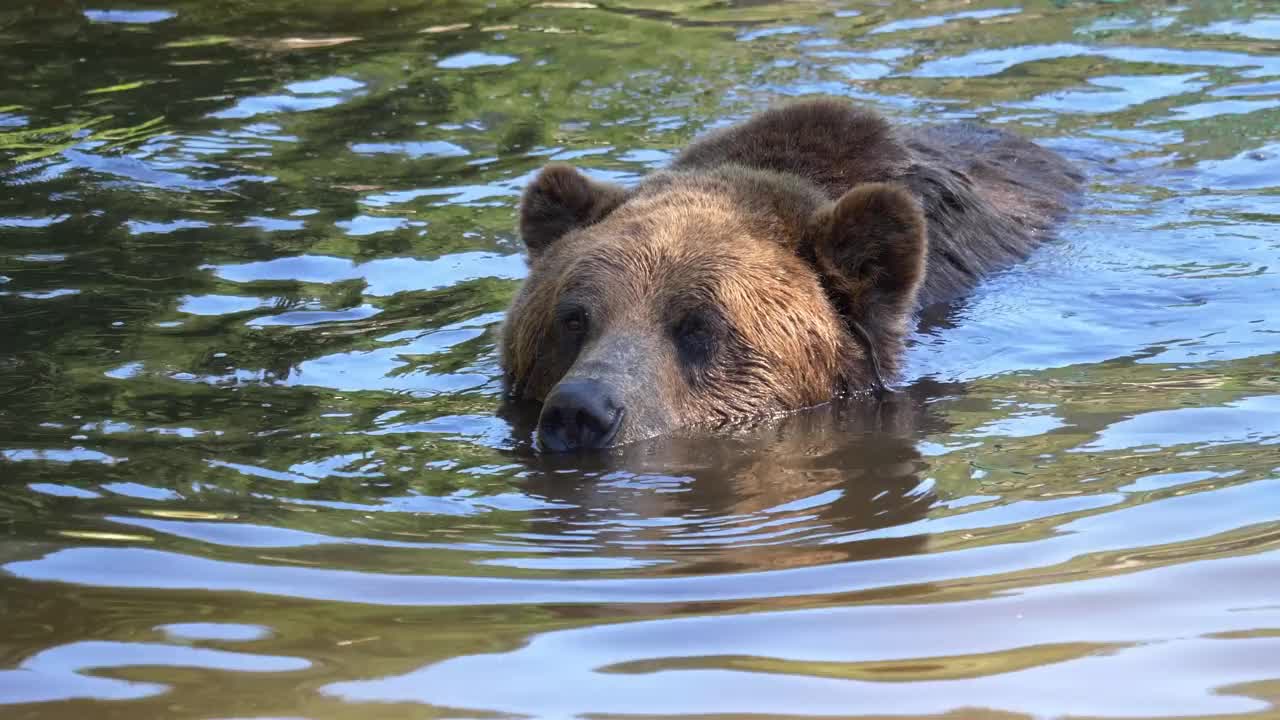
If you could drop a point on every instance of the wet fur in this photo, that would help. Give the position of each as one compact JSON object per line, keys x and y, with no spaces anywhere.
{"x":989,"y":196}
{"x":789,"y":231}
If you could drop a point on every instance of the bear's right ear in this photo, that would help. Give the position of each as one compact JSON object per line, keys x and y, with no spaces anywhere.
{"x":561,"y":199}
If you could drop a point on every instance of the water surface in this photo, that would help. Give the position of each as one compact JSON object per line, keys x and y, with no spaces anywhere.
{"x":252,"y":259}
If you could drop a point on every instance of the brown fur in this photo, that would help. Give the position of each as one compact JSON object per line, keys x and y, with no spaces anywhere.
{"x":772,"y":266}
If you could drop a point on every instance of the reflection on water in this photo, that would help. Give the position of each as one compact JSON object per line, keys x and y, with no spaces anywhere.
{"x":251,"y":264}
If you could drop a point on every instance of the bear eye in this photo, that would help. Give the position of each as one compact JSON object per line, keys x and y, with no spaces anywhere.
{"x":574,"y":320}
{"x":696,"y":335}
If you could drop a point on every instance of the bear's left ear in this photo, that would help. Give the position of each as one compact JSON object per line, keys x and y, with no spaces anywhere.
{"x":870,"y":247}
{"x":561,"y":199}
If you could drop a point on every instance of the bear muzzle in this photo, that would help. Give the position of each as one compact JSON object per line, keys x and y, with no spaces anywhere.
{"x":611,"y":396}
{"x":580,"y":414}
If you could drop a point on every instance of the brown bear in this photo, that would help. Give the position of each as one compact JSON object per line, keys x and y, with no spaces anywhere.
{"x":774,"y":266}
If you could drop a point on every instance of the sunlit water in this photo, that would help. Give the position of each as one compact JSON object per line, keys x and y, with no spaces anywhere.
{"x":252,"y":256}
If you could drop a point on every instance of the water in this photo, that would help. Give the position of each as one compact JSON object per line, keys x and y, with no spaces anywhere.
{"x":252,"y":256}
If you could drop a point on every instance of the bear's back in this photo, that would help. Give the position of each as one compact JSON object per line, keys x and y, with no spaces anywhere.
{"x":989,"y":196}
{"x":831,"y":143}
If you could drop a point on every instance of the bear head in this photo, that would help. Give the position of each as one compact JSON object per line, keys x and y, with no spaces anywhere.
{"x":700,"y":298}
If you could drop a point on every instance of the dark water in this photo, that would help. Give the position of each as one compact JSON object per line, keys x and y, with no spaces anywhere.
{"x":252,"y":255}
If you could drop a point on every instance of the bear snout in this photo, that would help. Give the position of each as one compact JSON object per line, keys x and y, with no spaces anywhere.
{"x":580,"y":414}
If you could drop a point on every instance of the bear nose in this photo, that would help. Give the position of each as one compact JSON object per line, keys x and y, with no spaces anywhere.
{"x":579,"y":414}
